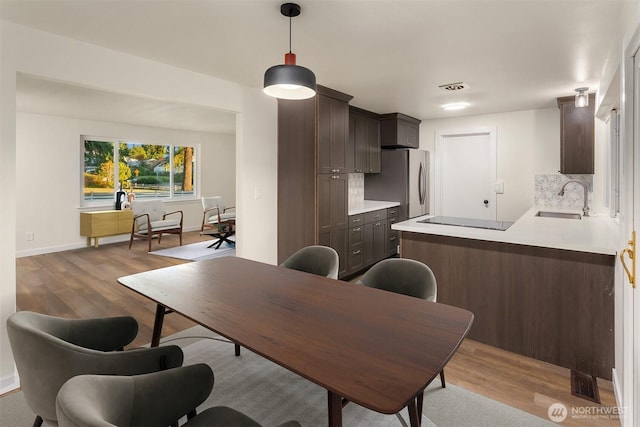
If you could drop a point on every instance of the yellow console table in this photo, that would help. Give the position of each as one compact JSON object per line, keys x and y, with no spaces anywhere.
{"x":105,"y":223}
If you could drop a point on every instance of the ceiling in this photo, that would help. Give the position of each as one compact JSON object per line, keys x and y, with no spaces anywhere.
{"x":389,"y":55}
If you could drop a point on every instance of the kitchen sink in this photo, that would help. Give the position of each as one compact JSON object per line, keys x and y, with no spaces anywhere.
{"x":549,"y":214}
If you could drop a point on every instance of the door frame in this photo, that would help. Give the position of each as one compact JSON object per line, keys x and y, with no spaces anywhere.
{"x":491,"y":131}
{"x":628,"y":393}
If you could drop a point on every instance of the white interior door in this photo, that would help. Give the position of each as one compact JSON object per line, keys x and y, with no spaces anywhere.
{"x":466,"y":174}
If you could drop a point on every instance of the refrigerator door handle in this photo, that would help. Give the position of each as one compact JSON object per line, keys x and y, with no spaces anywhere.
{"x":421,"y":183}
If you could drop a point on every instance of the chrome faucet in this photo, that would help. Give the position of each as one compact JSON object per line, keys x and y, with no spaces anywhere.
{"x":585,"y":208}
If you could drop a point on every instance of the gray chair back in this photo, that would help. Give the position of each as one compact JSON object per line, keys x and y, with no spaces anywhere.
{"x":403,"y":276}
{"x":49,"y":350}
{"x":316,"y":259}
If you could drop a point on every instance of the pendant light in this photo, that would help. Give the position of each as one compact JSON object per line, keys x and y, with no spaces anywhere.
{"x":289,"y":81}
{"x":582,"y":97}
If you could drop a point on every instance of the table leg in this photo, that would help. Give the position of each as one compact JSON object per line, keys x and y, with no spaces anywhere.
{"x":414,"y":418}
{"x":157,"y":326}
{"x":335,"y":409}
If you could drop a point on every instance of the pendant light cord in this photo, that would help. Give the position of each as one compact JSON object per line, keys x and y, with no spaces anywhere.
{"x":289,"y":33}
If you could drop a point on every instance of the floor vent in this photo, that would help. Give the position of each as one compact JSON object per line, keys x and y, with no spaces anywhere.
{"x":584,"y":386}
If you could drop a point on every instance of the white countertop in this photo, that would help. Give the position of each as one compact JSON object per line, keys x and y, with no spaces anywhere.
{"x":595,"y":234}
{"x":370,"y":205}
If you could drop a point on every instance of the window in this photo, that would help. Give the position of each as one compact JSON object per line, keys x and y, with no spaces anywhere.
{"x":149,"y":171}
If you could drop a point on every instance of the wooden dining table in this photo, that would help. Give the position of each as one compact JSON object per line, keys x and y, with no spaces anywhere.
{"x":374,"y":348}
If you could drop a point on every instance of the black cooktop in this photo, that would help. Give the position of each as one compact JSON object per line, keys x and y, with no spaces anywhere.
{"x":469,"y":222}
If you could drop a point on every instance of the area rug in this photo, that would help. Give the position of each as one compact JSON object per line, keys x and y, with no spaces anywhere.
{"x":272,"y":395}
{"x":197,"y":251}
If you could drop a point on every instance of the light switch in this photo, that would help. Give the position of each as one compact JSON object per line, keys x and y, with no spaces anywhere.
{"x":499,"y":187}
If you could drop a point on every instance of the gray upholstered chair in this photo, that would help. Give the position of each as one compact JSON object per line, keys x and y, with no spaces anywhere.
{"x":216,"y":213}
{"x":157,"y":399}
{"x":50,"y":350}
{"x":150,"y":219}
{"x":403,"y":276}
{"x":319,"y":260}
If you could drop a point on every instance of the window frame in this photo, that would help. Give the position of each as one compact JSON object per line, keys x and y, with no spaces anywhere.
{"x":115,"y":142}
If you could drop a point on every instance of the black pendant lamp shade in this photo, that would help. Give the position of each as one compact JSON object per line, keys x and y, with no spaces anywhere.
{"x":289,"y":81}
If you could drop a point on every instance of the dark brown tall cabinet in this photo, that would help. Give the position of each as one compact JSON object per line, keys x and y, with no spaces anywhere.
{"x":312,"y":173}
{"x":363,"y":150}
{"x":576,"y":136}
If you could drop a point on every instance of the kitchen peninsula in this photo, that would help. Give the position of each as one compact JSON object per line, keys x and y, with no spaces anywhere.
{"x":542,"y":288}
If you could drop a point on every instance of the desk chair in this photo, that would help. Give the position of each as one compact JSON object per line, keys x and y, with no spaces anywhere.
{"x":319,"y":260}
{"x":157,"y":399}
{"x":50,"y":350}
{"x":151,"y":219}
{"x":403,"y":276}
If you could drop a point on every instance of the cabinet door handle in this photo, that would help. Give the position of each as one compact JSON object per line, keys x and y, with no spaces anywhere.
{"x":392,"y":238}
{"x":335,"y":170}
{"x":357,"y":220}
{"x":355,"y":230}
{"x":335,"y":176}
{"x":377,"y":224}
{"x":356,"y":252}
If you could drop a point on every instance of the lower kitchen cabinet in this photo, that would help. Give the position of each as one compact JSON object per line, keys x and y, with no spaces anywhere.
{"x":337,"y":239}
{"x":549,"y":304}
{"x":333,"y":190}
{"x":370,"y":238}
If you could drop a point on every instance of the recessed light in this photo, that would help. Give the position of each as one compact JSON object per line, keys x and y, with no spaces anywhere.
{"x":455,"y":106}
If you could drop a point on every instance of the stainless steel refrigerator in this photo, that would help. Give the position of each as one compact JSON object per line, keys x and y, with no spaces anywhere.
{"x":404,"y":178}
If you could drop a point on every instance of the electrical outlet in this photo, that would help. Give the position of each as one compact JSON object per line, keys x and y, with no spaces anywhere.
{"x":29,"y":236}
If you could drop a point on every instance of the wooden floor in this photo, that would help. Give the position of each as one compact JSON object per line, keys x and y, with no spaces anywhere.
{"x":82,"y":283}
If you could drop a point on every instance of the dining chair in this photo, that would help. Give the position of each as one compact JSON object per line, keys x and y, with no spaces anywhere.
{"x":49,"y":350}
{"x":315,"y":259}
{"x":155,"y":399}
{"x":151,"y":219}
{"x":403,"y":276}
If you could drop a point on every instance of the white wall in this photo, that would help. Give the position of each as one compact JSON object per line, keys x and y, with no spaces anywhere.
{"x":49,"y":176}
{"x":528,"y":143}
{"x":57,"y":58}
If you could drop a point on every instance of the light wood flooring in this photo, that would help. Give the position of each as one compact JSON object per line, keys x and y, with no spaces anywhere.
{"x":82,"y":283}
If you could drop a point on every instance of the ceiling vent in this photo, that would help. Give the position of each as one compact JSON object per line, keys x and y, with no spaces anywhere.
{"x":452,"y":87}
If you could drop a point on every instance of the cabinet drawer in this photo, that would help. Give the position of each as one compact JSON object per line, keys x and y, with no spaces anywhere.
{"x":356,"y":220}
{"x":374,"y":216}
{"x":356,"y":236}
{"x":393,"y":242}
{"x":393,"y":213}
{"x":356,"y":259}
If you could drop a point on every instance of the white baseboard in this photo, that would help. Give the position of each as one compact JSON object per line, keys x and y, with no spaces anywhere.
{"x":617,"y":392}
{"x":79,"y":245}
{"x":10,"y":383}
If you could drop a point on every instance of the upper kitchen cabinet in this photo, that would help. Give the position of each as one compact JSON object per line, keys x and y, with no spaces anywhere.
{"x":363,"y":150}
{"x":399,"y":130}
{"x":332,"y":130}
{"x":576,"y":136}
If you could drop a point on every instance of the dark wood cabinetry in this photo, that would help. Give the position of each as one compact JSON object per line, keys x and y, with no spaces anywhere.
{"x":312,"y":203}
{"x":371,"y":238}
{"x":393,"y":237}
{"x":576,"y":136}
{"x":333,"y":130}
{"x":332,"y":208}
{"x":550,"y":304}
{"x":363,"y":150}
{"x":399,"y":130}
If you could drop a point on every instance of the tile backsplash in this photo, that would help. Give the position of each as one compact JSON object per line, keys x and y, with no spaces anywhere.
{"x":356,"y":189}
{"x":547,"y":187}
